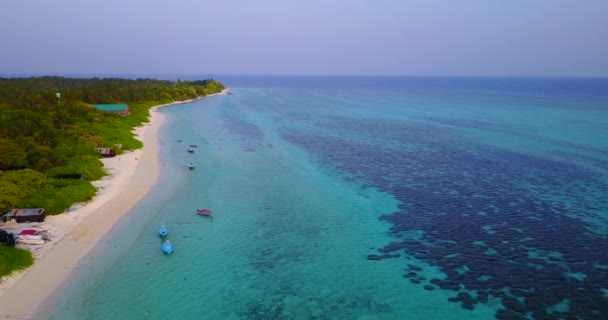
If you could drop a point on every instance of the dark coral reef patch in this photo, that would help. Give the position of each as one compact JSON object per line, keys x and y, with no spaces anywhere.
{"x":501,"y":224}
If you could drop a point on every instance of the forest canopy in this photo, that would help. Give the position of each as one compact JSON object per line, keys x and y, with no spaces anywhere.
{"x":50,"y":129}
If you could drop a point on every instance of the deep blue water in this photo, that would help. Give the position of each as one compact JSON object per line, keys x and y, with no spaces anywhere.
{"x":369,"y":198}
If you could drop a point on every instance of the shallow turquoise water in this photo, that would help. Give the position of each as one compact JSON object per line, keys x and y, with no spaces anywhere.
{"x":306,"y":182}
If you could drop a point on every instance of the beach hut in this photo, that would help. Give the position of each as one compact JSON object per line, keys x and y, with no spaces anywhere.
{"x":106,"y":152}
{"x":7,"y":238}
{"x":113,"y":108}
{"x":25,"y":215}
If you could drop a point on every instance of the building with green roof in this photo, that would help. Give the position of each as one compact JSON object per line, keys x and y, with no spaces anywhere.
{"x":116,"y":108}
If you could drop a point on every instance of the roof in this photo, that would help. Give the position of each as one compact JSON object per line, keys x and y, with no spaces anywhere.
{"x":27,"y":212}
{"x":111,"y":107}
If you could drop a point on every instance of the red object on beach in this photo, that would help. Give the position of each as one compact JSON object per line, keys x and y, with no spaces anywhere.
{"x":29,"y":232}
{"x":204,"y":212}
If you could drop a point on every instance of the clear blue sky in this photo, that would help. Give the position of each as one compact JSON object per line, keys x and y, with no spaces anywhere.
{"x":343,"y":37}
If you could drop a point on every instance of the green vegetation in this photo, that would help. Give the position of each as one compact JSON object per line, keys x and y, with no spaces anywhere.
{"x":49,"y":128}
{"x":13,"y":259}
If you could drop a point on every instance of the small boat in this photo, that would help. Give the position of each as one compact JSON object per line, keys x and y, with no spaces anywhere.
{"x":190,"y":150}
{"x":193,"y":146}
{"x":30,"y":237}
{"x":163,"y":232}
{"x":167,"y":247}
{"x":30,"y":241}
{"x":179,"y":140}
{"x":191,"y":166}
{"x":204,"y":212}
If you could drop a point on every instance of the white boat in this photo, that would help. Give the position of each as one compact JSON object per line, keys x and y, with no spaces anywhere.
{"x":30,"y":241}
{"x":31,"y":237}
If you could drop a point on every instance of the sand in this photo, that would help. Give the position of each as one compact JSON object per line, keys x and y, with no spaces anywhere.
{"x":76,"y":232}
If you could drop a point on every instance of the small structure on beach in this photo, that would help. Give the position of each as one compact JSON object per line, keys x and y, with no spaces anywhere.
{"x":106,"y":152}
{"x":113,"y":108}
{"x":7,"y":238}
{"x":25,"y":215}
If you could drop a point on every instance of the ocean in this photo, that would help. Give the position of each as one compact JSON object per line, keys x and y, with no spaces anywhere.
{"x":367,"y":198}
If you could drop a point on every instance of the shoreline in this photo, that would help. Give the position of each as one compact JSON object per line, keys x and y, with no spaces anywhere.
{"x":78,"y":231}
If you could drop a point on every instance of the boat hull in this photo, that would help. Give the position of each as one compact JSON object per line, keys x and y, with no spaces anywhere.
{"x":163,"y":232}
{"x":31,"y":241}
{"x":167,"y":248}
{"x":204,"y":212}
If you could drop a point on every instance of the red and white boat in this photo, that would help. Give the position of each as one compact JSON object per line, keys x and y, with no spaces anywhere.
{"x":204,"y":212}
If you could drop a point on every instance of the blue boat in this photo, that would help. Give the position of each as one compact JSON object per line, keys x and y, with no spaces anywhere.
{"x":163,"y":232}
{"x":167,"y":247}
{"x":179,"y":140}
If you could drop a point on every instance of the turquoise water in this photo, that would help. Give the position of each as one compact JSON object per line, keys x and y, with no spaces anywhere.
{"x":367,"y":198}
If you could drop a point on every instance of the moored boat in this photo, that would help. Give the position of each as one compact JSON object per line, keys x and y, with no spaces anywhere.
{"x":204,"y":212}
{"x":191,"y":166}
{"x":191,"y":150}
{"x":167,"y":247}
{"x":163,"y":232}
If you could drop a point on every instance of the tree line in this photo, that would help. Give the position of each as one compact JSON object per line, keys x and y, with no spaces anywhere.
{"x":49,"y":128}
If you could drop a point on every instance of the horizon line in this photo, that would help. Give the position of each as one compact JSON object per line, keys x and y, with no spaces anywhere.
{"x":178,"y":75}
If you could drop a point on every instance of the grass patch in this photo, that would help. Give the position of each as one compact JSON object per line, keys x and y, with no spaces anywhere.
{"x":14,"y":259}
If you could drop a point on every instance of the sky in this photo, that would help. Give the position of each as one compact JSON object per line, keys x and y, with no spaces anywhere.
{"x":308,"y":37}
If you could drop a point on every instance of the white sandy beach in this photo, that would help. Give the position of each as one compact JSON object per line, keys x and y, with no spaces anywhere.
{"x":77,"y":232}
